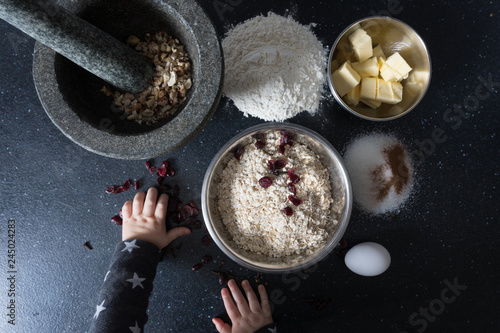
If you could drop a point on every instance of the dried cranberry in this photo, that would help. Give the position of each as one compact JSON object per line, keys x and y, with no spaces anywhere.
{"x":170,"y":172}
{"x":136,"y":184}
{"x":160,"y":179}
{"x":126,"y":185}
{"x":181,"y":217}
{"x":282,"y":148}
{"x":153,"y":169}
{"x":293,"y":177}
{"x":206,"y":240}
{"x":148,"y":165}
{"x":196,"y":267}
{"x":265,"y":182}
{"x":260,"y":144}
{"x":110,"y":189}
{"x":272,"y":165}
{"x":280,"y":164}
{"x":162,"y":171}
{"x":206,"y":259}
{"x":292,"y":188}
{"x":223,"y":279}
{"x":288,"y":211}
{"x":197,"y":225}
{"x":286,"y":138}
{"x":165,"y":164}
{"x":190,"y":210}
{"x":296,"y":201}
{"x":176,"y":190}
{"x":117,"y":220}
{"x":118,"y":189}
{"x":239,"y":152}
{"x":120,"y":214}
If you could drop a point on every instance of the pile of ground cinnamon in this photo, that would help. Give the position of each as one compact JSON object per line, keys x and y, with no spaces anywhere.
{"x":381,"y":172}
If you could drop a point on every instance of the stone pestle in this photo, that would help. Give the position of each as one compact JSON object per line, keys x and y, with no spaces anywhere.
{"x":80,"y":42}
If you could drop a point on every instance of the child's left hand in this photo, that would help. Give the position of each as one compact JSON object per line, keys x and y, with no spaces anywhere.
{"x":144,"y":219}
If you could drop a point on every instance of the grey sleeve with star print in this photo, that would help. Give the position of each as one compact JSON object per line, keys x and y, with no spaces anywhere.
{"x":124,"y":296}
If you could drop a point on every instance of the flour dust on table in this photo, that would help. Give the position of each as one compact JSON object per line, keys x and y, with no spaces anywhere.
{"x":274,"y":67}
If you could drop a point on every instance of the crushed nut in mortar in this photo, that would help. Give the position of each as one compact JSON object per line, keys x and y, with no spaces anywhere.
{"x":171,"y":82}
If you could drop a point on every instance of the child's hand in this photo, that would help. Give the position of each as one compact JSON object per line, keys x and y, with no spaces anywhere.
{"x":247,"y":317}
{"x":144,"y":219}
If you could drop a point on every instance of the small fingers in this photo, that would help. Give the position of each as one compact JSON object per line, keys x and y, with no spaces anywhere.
{"x":161,"y":208}
{"x":138,"y":203}
{"x":241,"y":302}
{"x":221,"y":326}
{"x":174,"y":233}
{"x":231,"y":309}
{"x":127,"y":210}
{"x":264,"y":301}
{"x":150,"y":202}
{"x":253,"y":302}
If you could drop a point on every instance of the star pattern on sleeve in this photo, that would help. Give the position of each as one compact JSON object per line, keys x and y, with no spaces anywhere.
{"x":135,"y":329}
{"x":98,"y":309}
{"x":129,"y":246}
{"x":136,"y":281}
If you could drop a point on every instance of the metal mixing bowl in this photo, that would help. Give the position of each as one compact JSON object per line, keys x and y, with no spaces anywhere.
{"x":393,"y":36}
{"x":330,"y":159}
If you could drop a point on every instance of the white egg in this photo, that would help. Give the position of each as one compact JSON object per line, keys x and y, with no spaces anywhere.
{"x":368,"y":259}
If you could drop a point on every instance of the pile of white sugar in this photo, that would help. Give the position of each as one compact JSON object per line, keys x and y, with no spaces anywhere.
{"x":274,"y":67}
{"x":381,"y":172}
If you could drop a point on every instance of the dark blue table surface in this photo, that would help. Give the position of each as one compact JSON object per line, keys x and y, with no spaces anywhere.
{"x":446,"y":235}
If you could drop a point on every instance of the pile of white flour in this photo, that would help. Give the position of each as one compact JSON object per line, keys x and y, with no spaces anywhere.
{"x":274,"y":67}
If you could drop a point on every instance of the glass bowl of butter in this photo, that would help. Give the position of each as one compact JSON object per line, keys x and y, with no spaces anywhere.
{"x":379,"y":68}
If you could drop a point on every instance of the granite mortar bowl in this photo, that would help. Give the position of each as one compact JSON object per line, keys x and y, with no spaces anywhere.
{"x":330,"y":159}
{"x":72,"y":98}
{"x":393,"y":36}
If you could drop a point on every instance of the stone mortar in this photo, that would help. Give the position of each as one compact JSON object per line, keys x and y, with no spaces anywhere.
{"x":71,"y":96}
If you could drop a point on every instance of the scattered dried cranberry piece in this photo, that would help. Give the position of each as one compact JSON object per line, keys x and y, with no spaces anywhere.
{"x":292,"y":188}
{"x":126,"y":185}
{"x":136,"y":185}
{"x":288,"y":211}
{"x":118,"y":189}
{"x":239,"y":152}
{"x":165,"y":164}
{"x":148,"y":165}
{"x":181,"y":217}
{"x":161,"y":171}
{"x":206,"y":259}
{"x":176,"y":190}
{"x":206,"y":240}
{"x":120,"y":214}
{"x":196,"y":267}
{"x":151,"y":168}
{"x":191,"y":211}
{"x":160,"y":179}
{"x":117,"y":220}
{"x":223,"y":279}
{"x":197,"y":225}
{"x":265,"y":182}
{"x":110,"y":189}
{"x":296,"y":201}
{"x":170,"y":172}
{"x":293,"y":177}
{"x":260,"y":144}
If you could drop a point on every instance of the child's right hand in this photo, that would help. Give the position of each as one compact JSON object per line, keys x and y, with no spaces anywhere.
{"x":247,"y":317}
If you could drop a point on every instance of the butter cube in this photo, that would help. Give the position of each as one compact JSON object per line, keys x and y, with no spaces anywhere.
{"x":397,"y":90}
{"x":419,"y":77}
{"x":369,"y":88}
{"x":366,"y":68}
{"x":398,"y":65}
{"x":352,"y":96}
{"x":361,"y":44}
{"x":371,"y":103}
{"x":385,"y":93}
{"x":386,"y":72}
{"x":409,"y":96}
{"x":378,"y":52}
{"x":345,"y":78}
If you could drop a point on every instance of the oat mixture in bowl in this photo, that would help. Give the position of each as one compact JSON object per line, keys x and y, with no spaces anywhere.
{"x":277,"y":198}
